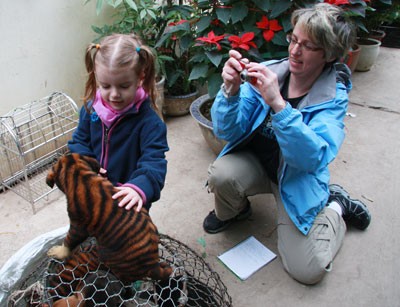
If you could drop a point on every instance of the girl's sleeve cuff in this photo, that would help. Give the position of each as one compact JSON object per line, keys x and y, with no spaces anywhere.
{"x":137,"y":189}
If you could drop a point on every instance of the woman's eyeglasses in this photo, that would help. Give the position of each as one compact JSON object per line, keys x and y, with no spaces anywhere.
{"x":306,"y":45}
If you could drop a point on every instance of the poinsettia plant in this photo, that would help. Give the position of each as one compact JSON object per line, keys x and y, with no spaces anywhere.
{"x":151,"y":20}
{"x":255,"y":28}
{"x":360,"y":11}
{"x":174,"y":46}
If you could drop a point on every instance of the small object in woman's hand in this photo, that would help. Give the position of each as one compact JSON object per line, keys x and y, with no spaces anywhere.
{"x":245,"y":77}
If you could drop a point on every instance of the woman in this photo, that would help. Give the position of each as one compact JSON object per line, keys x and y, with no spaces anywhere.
{"x":283,"y":129}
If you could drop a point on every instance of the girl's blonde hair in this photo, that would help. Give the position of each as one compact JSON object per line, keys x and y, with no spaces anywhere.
{"x":121,"y":50}
{"x":328,"y":27}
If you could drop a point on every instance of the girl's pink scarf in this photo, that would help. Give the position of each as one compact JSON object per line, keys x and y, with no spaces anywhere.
{"x":108,"y":115}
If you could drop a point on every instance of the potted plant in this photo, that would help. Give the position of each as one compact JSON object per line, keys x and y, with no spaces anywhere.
{"x":370,"y":36}
{"x":256,"y":28}
{"x":154,"y":22}
{"x":380,"y":13}
{"x":174,"y":45}
{"x":391,"y":25}
{"x":358,"y":10}
{"x":142,"y":17}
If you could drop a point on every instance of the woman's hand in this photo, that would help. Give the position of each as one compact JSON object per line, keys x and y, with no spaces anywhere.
{"x":131,"y":198}
{"x":231,"y":71}
{"x":267,"y":84}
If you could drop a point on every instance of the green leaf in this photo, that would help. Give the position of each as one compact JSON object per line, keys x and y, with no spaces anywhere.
{"x":186,"y":42}
{"x":99,"y":6}
{"x":132,"y":4}
{"x":203,"y":23}
{"x":280,"y":7}
{"x":204,"y":3}
{"x":280,"y":39}
{"x":239,"y":12}
{"x":166,"y":58}
{"x":97,"y":30}
{"x":151,"y":14}
{"x":110,"y":3}
{"x":142,"y":14}
{"x":265,"y":5}
{"x":199,"y":71}
{"x":286,"y":23}
{"x":199,"y":57}
{"x":202,"y":242}
{"x":388,"y":2}
{"x":162,"y":39}
{"x":214,"y":57}
{"x":214,"y":84}
{"x":224,"y":14}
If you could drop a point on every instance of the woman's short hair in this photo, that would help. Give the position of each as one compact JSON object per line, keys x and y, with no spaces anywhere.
{"x":328,"y":27}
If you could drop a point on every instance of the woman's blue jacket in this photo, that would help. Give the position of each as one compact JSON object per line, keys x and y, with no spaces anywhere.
{"x":309,"y":137}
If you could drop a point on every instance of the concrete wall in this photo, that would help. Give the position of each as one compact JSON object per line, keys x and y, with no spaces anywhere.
{"x":42,"y":45}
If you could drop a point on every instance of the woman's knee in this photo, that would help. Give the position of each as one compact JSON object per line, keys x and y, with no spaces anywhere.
{"x":306,"y":274}
{"x":306,"y":258}
{"x":219,"y":173}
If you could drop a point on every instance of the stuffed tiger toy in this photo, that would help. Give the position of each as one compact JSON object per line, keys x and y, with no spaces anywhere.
{"x":127,"y":241}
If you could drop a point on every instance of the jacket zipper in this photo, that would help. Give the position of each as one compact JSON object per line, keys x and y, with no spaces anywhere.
{"x":106,"y":135}
{"x":104,"y":146}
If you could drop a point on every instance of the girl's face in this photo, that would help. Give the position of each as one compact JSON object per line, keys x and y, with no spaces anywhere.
{"x":117,"y":85}
{"x":306,"y":59}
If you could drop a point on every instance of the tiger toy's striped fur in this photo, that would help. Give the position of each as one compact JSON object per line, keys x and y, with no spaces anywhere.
{"x":127,"y":241}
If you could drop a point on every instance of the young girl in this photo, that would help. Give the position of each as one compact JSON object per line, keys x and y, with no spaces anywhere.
{"x":118,"y":124}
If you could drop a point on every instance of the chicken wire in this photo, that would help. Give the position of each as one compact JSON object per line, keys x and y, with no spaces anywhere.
{"x":32,"y":138}
{"x":192,"y":283}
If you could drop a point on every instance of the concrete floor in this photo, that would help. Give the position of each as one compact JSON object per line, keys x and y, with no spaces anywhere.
{"x":365,"y":270}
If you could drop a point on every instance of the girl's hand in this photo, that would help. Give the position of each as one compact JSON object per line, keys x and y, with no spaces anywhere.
{"x":131,"y":198}
{"x":267,"y":84}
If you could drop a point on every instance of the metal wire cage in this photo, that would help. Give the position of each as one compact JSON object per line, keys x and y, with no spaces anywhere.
{"x":32,"y":137}
{"x":193,"y":283}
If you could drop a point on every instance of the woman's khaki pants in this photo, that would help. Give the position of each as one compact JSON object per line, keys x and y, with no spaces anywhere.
{"x":234,"y":177}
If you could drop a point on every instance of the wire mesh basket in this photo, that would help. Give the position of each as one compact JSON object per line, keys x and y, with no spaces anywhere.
{"x":193,"y":283}
{"x":32,"y":137}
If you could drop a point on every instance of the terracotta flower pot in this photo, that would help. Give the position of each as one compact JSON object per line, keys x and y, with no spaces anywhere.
{"x":352,"y":57}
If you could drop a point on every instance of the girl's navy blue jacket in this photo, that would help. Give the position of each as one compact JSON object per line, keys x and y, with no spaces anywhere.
{"x":132,"y":149}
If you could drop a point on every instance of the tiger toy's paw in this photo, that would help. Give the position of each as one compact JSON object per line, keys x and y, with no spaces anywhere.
{"x":59,"y":252}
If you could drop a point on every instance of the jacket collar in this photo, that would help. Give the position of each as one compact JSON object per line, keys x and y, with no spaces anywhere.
{"x":323,"y":89}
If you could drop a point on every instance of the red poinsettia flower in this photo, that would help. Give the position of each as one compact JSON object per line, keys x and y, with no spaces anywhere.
{"x":337,"y":2}
{"x":243,"y":42}
{"x":216,"y":22}
{"x":269,"y":27}
{"x":171,"y":24}
{"x":211,"y":39}
{"x":341,"y":2}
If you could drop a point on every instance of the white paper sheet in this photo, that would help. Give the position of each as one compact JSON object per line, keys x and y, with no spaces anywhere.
{"x":247,"y":257}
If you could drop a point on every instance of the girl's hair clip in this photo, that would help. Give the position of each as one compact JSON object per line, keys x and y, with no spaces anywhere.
{"x":97,"y":46}
{"x":137,"y":49}
{"x":94,"y":117}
